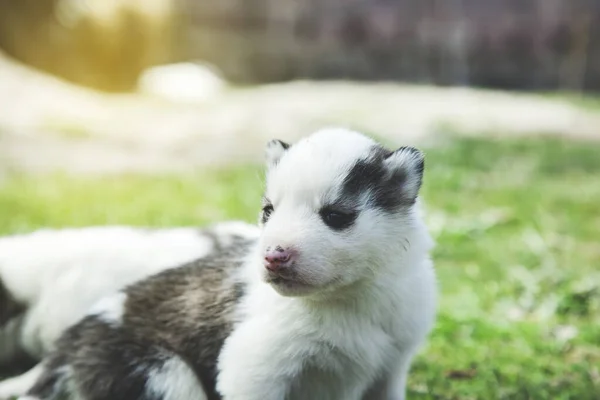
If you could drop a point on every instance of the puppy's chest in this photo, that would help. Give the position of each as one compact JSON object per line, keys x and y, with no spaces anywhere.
{"x":345,"y":362}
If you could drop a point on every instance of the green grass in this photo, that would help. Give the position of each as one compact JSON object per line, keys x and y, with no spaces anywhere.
{"x":586,"y":101}
{"x":518,"y":256}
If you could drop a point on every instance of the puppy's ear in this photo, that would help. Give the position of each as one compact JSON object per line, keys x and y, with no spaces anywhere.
{"x":404,"y":169}
{"x":274,"y":151}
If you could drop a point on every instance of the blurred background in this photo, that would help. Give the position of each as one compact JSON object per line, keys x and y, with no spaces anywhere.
{"x":155,"y":113}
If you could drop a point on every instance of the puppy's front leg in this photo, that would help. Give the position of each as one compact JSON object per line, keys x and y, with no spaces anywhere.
{"x":392,"y":386}
{"x":258,"y":362}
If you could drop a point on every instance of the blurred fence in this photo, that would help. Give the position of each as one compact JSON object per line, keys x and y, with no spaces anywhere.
{"x":525,"y":44}
{"x":529,"y":44}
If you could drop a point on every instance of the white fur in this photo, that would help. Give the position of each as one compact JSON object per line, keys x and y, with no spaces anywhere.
{"x":175,"y":380}
{"x":370,"y":297}
{"x":110,"y":308}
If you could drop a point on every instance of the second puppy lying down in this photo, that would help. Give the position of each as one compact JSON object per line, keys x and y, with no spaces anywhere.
{"x":331,"y":302}
{"x":127,"y":348}
{"x":50,"y":278}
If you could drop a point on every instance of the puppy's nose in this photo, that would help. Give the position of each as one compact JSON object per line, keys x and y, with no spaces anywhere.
{"x":278,"y":258}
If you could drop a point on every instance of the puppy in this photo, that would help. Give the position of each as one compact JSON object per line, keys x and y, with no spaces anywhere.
{"x":50,"y":278}
{"x":331,"y":302}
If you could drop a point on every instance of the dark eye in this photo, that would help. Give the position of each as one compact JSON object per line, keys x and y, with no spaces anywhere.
{"x":336,"y":219}
{"x":266,"y":212}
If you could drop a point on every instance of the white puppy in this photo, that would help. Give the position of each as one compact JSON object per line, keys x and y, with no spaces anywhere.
{"x":347,"y":292}
{"x":331,"y":302}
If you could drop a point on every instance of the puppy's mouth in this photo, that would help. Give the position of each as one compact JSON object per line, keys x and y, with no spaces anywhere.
{"x":287,"y":282}
{"x":282,"y":277}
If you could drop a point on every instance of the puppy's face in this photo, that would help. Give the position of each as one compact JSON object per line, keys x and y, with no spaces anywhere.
{"x":337,"y":205}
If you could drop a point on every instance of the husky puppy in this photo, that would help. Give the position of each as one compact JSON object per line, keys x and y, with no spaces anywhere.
{"x":332,"y":301}
{"x":50,"y":278}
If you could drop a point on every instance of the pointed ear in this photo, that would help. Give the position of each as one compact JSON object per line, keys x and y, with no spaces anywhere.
{"x":404,"y":169}
{"x":274,"y":151}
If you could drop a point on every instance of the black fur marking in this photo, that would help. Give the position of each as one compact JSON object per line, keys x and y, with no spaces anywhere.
{"x":18,"y":364}
{"x":9,"y":307}
{"x":277,"y":142}
{"x":336,"y":219}
{"x":217,"y":245}
{"x":267,"y":210}
{"x":221,"y":242}
{"x":16,"y":360}
{"x":420,"y":167}
{"x":185,"y":312}
{"x":106,"y":362}
{"x":51,"y":384}
{"x":370,"y":175}
{"x":270,"y":147}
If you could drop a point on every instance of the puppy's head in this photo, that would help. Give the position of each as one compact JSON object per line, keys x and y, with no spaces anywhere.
{"x":337,"y":206}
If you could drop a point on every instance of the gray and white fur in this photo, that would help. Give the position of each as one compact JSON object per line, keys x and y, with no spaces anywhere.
{"x":50,"y":278}
{"x":331,"y":302}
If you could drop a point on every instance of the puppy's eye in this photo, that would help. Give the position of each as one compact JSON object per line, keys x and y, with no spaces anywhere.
{"x":266,"y":212}
{"x":336,"y":219}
